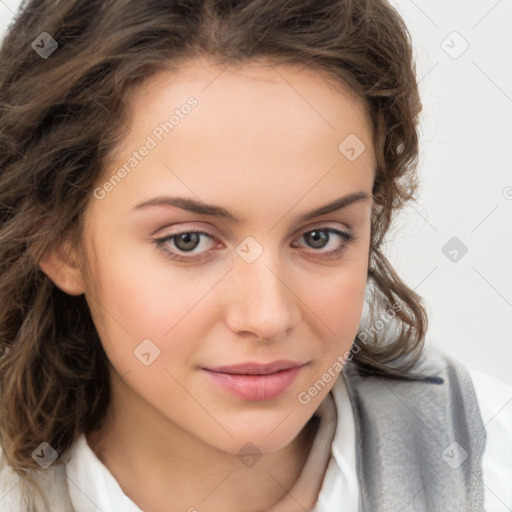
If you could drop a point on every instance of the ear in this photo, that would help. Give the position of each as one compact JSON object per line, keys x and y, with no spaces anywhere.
{"x":62,"y":266}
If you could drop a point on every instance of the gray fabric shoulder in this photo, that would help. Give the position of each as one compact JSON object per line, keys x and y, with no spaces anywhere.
{"x":419,"y":443}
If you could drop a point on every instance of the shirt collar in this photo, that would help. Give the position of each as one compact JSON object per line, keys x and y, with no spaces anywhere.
{"x":91,"y":485}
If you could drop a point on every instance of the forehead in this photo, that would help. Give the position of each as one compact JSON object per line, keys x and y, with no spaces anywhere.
{"x":256,"y":130}
{"x":253,"y":100}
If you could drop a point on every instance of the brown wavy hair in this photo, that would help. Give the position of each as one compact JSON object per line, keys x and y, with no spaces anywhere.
{"x":61,"y":119}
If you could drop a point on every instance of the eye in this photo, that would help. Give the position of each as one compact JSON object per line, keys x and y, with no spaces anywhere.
{"x":187,"y":241}
{"x":319,"y":238}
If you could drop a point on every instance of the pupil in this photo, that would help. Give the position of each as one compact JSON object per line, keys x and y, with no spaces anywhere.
{"x":319,"y":238}
{"x":190,"y":241}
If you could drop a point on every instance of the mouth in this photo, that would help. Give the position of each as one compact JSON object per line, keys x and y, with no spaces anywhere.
{"x":254,"y":381}
{"x":252,"y":368}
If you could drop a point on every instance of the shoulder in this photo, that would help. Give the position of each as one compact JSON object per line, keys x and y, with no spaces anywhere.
{"x":440,"y":404}
{"x":438,"y":376}
{"x":419,"y":440}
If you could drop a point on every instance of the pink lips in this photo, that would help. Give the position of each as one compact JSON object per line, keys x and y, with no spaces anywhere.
{"x":254,"y":381}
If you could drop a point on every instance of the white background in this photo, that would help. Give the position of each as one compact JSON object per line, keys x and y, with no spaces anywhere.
{"x":466,"y":177}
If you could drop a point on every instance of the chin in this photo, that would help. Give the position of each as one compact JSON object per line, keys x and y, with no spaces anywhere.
{"x":266,"y":438}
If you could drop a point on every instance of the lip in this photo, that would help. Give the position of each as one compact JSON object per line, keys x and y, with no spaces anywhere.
{"x":253,"y":368}
{"x":255,"y":381}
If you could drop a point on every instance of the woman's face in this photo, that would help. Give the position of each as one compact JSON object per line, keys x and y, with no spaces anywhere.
{"x":265,"y":146}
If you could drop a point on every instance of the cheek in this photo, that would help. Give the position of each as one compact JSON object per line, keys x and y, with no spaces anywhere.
{"x":337,"y":298}
{"x":144,"y":293}
{"x":339,"y":306}
{"x":129,"y":304}
{"x":138,"y":296}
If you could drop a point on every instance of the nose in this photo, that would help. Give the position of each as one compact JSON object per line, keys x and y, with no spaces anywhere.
{"x":261,"y":302}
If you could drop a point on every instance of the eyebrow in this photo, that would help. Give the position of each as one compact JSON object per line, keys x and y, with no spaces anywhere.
{"x":198,"y":207}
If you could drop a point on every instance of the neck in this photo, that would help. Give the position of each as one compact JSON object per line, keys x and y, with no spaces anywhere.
{"x":172,"y":470}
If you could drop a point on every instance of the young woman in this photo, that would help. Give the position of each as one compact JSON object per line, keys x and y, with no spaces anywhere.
{"x":194,"y":197}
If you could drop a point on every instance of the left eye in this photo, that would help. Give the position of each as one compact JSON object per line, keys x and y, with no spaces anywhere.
{"x":187,"y":241}
{"x":319,"y":238}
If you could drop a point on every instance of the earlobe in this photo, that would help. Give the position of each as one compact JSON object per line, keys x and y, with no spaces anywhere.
{"x":61,"y":265}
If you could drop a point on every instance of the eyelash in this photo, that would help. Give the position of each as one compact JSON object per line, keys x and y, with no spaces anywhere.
{"x":334,"y":254}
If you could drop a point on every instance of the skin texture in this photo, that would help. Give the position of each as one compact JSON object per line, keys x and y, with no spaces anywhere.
{"x":262,"y":142}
